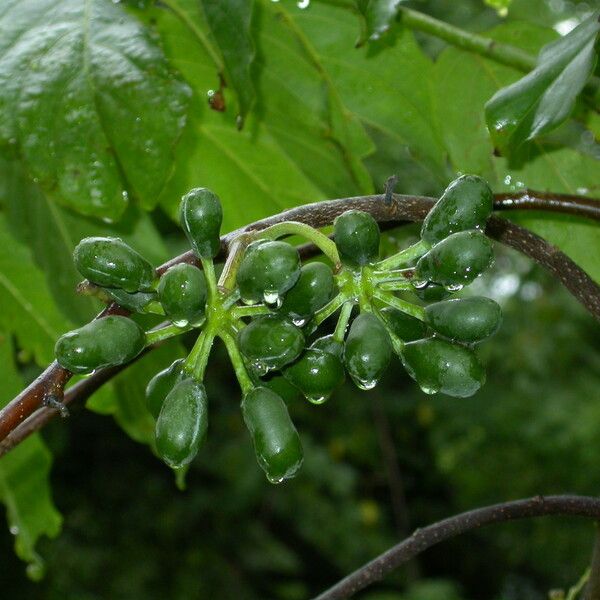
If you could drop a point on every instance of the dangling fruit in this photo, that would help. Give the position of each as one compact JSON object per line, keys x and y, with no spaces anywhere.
{"x":465,"y":319}
{"x":457,"y":260}
{"x":268,"y":270}
{"x":201,"y":215}
{"x":356,"y":236}
{"x":105,"y":342}
{"x":276,"y":441}
{"x":110,"y":262}
{"x":182,"y":423}
{"x":441,"y":366}
{"x":182,"y":293}
{"x":312,"y":291}
{"x":404,"y":326}
{"x":367,"y":351}
{"x":465,"y":204}
{"x":161,"y":384}
{"x":270,"y":343}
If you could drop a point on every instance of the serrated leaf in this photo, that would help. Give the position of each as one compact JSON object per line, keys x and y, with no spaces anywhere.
{"x":26,"y":306}
{"x":378,"y":16}
{"x":87,"y":98}
{"x":543,"y":166}
{"x":229,"y":23}
{"x":544,"y":98}
{"x":52,"y":232}
{"x":24,"y":480}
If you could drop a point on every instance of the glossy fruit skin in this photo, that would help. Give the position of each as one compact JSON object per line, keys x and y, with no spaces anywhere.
{"x":404,"y":326}
{"x":110,"y":262}
{"x":161,"y":384}
{"x":182,"y":293}
{"x":457,"y":260}
{"x":276,"y":441}
{"x":270,"y":342}
{"x":367,"y":351}
{"x":438,"y":365}
{"x":133,"y":301}
{"x":182,"y":423}
{"x":328,"y":343}
{"x":467,"y":320}
{"x":312,"y":291}
{"x":268,"y":268}
{"x":465,"y":204}
{"x":201,"y":216}
{"x":316,"y":374}
{"x":356,"y":235}
{"x":105,"y":342}
{"x":432,"y":292}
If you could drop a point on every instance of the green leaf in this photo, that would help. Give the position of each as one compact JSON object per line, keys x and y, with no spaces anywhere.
{"x":544,"y":166}
{"x":24,"y":480}
{"x":88,"y":100}
{"x":378,"y":16}
{"x":229,"y":23}
{"x":543,"y":99}
{"x":26,"y":306}
{"x":52,"y":232}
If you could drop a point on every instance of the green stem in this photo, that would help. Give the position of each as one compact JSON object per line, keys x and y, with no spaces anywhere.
{"x":195,"y":363}
{"x":328,"y":309}
{"x":403,"y":257}
{"x":465,"y":40}
{"x":234,"y":258}
{"x":154,"y":336}
{"x":342,"y":324}
{"x":255,"y":310}
{"x":407,"y":307}
{"x":211,"y":279}
{"x":319,"y":239}
{"x":396,"y":286}
{"x":238,"y":362}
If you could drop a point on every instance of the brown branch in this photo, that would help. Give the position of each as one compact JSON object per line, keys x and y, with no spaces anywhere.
{"x":421,"y":539}
{"x":51,"y":383}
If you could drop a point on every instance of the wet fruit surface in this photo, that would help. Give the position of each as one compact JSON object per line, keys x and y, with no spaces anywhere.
{"x":201,"y":215}
{"x":182,"y":293}
{"x":357,"y":236}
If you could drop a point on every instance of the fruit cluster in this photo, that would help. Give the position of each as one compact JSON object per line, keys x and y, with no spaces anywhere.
{"x":267,"y":308}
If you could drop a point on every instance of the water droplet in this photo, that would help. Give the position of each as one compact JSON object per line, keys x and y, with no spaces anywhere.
{"x":419,"y":285}
{"x":272,"y":299}
{"x":181,"y":322}
{"x":454,"y":287}
{"x":299,"y":321}
{"x":275,"y":480}
{"x":260,"y":368}
{"x":429,"y":389}
{"x":365,"y":384}
{"x":317,"y":399}
{"x":302,"y":4}
{"x":14,"y":529}
{"x":248,"y":302}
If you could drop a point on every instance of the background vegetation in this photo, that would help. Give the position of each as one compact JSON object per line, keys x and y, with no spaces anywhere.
{"x":103,"y":129}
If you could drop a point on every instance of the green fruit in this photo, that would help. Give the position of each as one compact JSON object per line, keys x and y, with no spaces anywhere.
{"x":404,"y":326}
{"x":316,"y":374}
{"x":441,"y":366}
{"x":270,"y":343}
{"x":283,"y":388}
{"x":367,"y":351}
{"x":312,"y":291}
{"x":182,"y":423}
{"x":356,"y":236}
{"x":432,"y":292}
{"x":276,"y":441}
{"x":182,"y":293}
{"x":161,"y":384}
{"x":457,"y":260}
{"x":465,"y":319}
{"x":133,"y":301}
{"x":268,"y":270}
{"x":201,"y":215}
{"x":105,"y":342}
{"x":328,"y":343}
{"x":110,"y":262}
{"x":465,"y":204}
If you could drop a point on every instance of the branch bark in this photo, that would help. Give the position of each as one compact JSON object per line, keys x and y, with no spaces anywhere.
{"x":51,"y":383}
{"x":421,"y":539}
